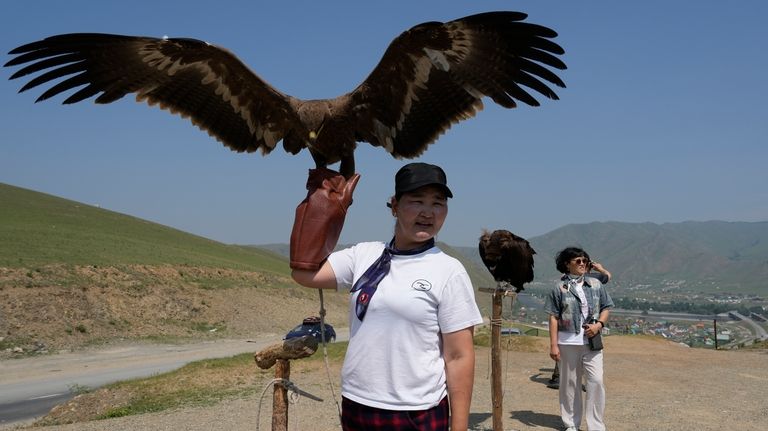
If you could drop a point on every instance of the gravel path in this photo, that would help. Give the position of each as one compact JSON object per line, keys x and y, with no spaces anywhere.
{"x":651,"y":384}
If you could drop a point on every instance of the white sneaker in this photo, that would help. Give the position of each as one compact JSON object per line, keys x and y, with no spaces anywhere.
{"x":571,"y":429}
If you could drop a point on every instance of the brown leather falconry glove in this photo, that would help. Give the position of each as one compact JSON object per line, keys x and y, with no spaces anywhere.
{"x":320,"y":217}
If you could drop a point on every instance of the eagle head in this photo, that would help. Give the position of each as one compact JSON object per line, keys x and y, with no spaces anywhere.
{"x":313,"y":115}
{"x":508,"y":257}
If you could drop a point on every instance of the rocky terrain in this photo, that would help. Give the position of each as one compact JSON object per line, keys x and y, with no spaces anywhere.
{"x":60,"y":307}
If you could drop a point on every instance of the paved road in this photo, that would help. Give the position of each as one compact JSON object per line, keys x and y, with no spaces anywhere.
{"x":668,"y":315}
{"x":30,"y":387}
{"x":760,"y":332}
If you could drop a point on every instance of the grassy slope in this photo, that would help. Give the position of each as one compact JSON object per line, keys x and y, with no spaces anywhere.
{"x":39,"y":229}
{"x":73,"y":275}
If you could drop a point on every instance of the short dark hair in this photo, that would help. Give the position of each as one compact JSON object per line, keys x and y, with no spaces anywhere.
{"x":565,"y":255}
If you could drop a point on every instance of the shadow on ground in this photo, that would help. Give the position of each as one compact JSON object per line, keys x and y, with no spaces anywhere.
{"x":535,"y":419}
{"x":526,"y":417}
{"x":543,"y":376}
{"x":475,"y":419}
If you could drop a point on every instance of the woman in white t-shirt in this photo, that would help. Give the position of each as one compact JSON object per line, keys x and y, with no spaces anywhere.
{"x":578,"y":307}
{"x":410,"y":360}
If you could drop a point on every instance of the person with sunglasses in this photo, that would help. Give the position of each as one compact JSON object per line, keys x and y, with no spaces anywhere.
{"x":410,"y":360}
{"x":599,"y":272}
{"x":578,"y":307}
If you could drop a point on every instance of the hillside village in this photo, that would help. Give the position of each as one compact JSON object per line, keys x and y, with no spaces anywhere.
{"x":722,"y":331}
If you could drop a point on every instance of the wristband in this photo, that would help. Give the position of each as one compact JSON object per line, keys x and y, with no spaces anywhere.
{"x":602,"y":325}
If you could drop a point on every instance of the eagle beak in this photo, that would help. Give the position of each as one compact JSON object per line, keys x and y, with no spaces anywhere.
{"x":313,"y":134}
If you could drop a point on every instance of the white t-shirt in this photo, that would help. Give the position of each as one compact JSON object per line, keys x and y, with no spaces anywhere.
{"x":571,"y":338}
{"x":394,"y":360}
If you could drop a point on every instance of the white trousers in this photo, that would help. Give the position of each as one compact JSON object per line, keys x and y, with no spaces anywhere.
{"x":575,"y":362}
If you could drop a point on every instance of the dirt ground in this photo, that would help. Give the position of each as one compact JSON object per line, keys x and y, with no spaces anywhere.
{"x":652,"y":384}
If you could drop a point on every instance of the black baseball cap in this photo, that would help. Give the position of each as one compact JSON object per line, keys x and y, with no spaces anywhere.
{"x":414,"y":175}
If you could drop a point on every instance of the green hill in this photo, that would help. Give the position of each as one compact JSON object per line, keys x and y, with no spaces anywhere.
{"x":72,"y":275}
{"x":477,"y":272}
{"x":40,"y":229}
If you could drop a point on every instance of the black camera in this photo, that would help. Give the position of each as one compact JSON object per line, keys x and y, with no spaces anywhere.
{"x":596,"y":342}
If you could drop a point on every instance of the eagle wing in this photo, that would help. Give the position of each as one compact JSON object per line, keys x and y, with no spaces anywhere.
{"x":517,"y":260}
{"x":189,"y":77}
{"x":435,"y":75}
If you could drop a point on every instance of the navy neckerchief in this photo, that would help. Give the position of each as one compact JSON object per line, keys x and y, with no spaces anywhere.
{"x":372,"y":276}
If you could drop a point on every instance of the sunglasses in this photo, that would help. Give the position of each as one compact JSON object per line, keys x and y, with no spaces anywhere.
{"x":580,"y":260}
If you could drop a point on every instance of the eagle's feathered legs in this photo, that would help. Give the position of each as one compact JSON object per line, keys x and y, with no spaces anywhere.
{"x":346,"y":166}
{"x":320,"y":161}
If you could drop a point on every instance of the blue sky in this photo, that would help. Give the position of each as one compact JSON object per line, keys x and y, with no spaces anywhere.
{"x":663,"y":119}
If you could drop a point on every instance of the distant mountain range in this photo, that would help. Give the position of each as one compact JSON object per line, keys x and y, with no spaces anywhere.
{"x":707,"y":256}
{"x":712,"y":256}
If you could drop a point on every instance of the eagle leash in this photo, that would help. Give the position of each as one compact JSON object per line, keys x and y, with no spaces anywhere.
{"x":325,"y":354}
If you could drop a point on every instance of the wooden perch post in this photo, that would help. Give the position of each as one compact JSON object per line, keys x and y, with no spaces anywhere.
{"x":497,"y":394}
{"x":280,"y":354}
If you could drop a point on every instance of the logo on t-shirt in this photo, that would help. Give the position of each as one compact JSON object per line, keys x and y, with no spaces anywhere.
{"x":422,"y":285}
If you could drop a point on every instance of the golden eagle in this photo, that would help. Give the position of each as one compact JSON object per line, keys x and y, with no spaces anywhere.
{"x":508,"y":257}
{"x":430,"y":77}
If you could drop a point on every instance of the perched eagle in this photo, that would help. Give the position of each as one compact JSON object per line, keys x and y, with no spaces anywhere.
{"x":431,"y":76}
{"x":508,"y":257}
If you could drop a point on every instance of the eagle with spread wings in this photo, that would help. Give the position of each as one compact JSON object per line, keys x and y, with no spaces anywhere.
{"x":430,"y":77}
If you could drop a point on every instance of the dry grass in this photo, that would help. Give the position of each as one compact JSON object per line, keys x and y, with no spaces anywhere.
{"x":200,"y":383}
{"x":63,"y":307}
